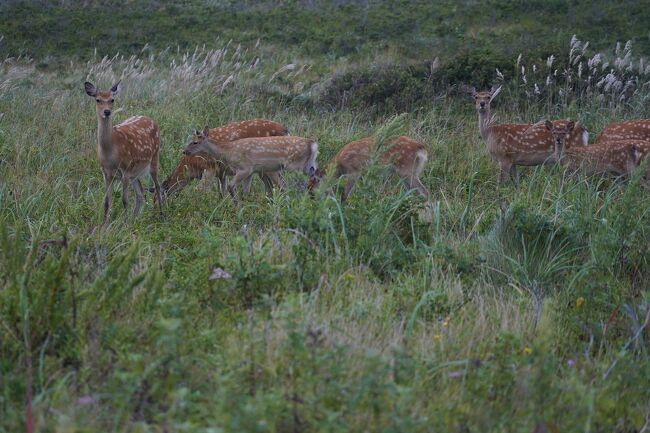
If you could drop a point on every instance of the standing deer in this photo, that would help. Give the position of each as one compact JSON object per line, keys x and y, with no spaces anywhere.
{"x":629,"y":130}
{"x":195,"y":166}
{"x":518,"y":144}
{"x":619,"y":157}
{"x":404,"y":155}
{"x":128,"y":150}
{"x":262,"y":155}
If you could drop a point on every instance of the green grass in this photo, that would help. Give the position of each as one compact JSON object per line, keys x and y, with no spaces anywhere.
{"x":493,"y":308}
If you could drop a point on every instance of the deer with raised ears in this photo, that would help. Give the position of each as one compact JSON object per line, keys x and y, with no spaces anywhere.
{"x":128,"y":150}
{"x":404,"y":155}
{"x":619,"y":157}
{"x":628,"y":130}
{"x":195,"y":166}
{"x":262,"y":155}
{"x":517,"y":144}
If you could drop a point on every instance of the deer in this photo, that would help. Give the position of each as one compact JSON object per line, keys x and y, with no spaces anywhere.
{"x":261,"y":155}
{"x":628,"y":130}
{"x":405,"y":156}
{"x":195,"y":166}
{"x":619,"y":157}
{"x":126,"y":151}
{"x":518,"y":144}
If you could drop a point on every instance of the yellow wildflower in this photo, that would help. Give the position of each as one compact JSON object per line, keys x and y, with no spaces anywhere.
{"x":580,"y":302}
{"x":527,"y":350}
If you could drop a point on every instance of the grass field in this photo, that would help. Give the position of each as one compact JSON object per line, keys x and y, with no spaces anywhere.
{"x":495,"y":308}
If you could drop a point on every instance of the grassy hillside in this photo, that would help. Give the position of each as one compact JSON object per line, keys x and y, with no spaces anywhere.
{"x":494,"y":308}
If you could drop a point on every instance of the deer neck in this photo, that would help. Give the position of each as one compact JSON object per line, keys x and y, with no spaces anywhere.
{"x":218,"y":149}
{"x":484,"y":123}
{"x":105,"y":135}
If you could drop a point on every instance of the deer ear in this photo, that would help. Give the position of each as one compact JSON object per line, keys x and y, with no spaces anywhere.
{"x":570,"y":125}
{"x":206,"y":131}
{"x":494,"y":92}
{"x":549,"y":125}
{"x":116,"y":88}
{"x":91,"y":90}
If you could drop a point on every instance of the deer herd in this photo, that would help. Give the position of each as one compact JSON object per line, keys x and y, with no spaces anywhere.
{"x":131,"y":149}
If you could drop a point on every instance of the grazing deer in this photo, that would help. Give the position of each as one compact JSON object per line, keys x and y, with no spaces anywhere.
{"x":629,"y":130}
{"x":619,"y":157}
{"x":518,"y":144}
{"x":195,"y":166}
{"x":262,"y":155}
{"x":404,"y":155}
{"x":128,"y":150}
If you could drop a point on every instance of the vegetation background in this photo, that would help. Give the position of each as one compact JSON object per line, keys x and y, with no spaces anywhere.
{"x":494,"y":309}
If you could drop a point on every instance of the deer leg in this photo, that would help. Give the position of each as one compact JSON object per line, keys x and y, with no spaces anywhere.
{"x":514,"y":175}
{"x":504,"y":171}
{"x":154,"y":176}
{"x":246,"y":185}
{"x":349,"y":183}
{"x":277,"y":180}
{"x":109,"y":177}
{"x":222,"y":182}
{"x":139,"y":196}
{"x":267,"y":179}
{"x":236,"y":180}
{"x":414,"y":182}
{"x":125,"y":192}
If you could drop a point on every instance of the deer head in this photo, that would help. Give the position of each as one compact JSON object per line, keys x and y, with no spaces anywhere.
{"x":482,"y":99}
{"x":199,"y":142}
{"x":560,"y":134}
{"x":104,"y":99}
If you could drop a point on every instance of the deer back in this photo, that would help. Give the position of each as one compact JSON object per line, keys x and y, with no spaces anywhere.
{"x":403,"y":153}
{"x":628,"y":130}
{"x":614,"y":156}
{"x":247,"y":129}
{"x":530,"y":144}
{"x":268,"y":153}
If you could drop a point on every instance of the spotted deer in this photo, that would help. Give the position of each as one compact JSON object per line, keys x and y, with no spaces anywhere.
{"x":196,"y":166}
{"x":619,"y":157}
{"x":628,"y":130}
{"x":404,"y":155}
{"x":518,"y":144}
{"x":126,"y":151}
{"x":261,"y":155}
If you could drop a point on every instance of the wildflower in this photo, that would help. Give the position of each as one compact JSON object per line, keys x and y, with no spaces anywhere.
{"x":437,"y":337}
{"x":580,"y":302}
{"x":445,"y":322}
{"x":527,"y":350}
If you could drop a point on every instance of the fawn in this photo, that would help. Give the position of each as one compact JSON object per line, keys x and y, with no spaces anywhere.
{"x":128,"y":150}
{"x":404,"y":155}
{"x":195,"y":166}
{"x":619,"y":157}
{"x":518,"y":144}
{"x":262,"y":155}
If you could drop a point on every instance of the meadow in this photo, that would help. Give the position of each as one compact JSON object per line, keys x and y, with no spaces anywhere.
{"x":494,"y":308}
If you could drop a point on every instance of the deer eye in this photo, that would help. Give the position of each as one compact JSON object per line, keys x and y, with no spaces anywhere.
{"x":98,"y":100}
{"x":112,"y":100}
